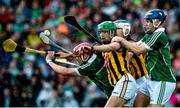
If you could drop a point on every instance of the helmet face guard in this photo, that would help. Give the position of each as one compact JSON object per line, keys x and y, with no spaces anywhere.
{"x":108,"y":26}
{"x":155,"y":15}
{"x":82,"y":57}
{"x":124,"y":25}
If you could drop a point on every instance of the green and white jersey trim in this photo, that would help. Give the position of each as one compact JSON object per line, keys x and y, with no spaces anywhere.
{"x":153,"y":67}
{"x":93,"y":57}
{"x":153,"y":40}
{"x":77,"y":72}
{"x":155,"y":36}
{"x":167,"y":64}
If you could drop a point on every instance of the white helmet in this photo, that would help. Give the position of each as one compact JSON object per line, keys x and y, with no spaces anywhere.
{"x":124,"y":25}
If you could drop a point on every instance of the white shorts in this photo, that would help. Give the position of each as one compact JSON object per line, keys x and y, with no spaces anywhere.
{"x":139,"y":83}
{"x":158,"y":91}
{"x":125,"y":88}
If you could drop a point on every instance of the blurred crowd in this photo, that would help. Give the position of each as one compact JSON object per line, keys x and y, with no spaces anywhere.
{"x":26,"y":80}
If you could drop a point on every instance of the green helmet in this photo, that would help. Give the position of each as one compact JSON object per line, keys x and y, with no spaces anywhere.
{"x":107,"y":26}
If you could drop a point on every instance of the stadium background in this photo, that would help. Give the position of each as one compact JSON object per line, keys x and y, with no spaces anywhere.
{"x":26,"y":80}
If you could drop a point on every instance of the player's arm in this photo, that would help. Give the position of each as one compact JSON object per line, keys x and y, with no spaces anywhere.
{"x":58,"y":68}
{"x":61,"y":69}
{"x":132,"y":46}
{"x":64,"y":55}
{"x":108,"y":47}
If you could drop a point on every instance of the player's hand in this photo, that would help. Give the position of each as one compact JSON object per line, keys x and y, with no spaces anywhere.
{"x":50,"y":56}
{"x":64,"y":54}
{"x":116,"y":39}
{"x":68,"y":56}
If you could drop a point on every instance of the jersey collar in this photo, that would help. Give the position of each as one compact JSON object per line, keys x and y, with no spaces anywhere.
{"x":160,"y":30}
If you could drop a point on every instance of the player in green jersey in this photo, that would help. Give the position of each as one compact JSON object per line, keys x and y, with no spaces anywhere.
{"x":155,"y":45}
{"x":91,"y":67}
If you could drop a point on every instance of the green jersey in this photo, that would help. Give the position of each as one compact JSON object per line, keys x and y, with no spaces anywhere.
{"x":158,"y":56}
{"x":95,"y":70}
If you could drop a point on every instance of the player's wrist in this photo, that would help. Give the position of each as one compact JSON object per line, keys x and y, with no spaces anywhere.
{"x":92,"y":46}
{"x":49,"y":61}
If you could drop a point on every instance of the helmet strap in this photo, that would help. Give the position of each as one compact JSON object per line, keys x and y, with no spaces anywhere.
{"x":124,"y":33}
{"x":84,"y":59}
{"x":155,"y":23}
{"x":111,"y":33}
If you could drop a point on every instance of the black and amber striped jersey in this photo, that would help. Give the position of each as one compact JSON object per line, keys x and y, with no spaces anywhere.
{"x":116,"y":63}
{"x":137,"y":66}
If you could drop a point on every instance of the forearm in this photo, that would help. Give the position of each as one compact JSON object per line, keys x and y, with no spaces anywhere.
{"x":61,"y":69}
{"x":102,"y":48}
{"x":132,"y":46}
{"x":106,"y":48}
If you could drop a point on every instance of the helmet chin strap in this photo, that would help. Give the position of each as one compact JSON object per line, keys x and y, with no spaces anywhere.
{"x":84,"y":59}
{"x":111,"y":34}
{"x":154,"y":25}
{"x":124,"y":33}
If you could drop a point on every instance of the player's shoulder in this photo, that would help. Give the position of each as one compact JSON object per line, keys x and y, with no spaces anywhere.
{"x":155,"y":35}
{"x":159,"y":32}
{"x":161,"y":36}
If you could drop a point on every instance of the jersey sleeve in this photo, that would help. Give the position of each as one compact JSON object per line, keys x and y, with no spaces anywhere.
{"x":154,"y":41}
{"x":90,"y":68}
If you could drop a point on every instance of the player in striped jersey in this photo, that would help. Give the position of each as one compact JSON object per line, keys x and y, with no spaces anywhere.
{"x":116,"y":63}
{"x":137,"y":65}
{"x":161,"y":84}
